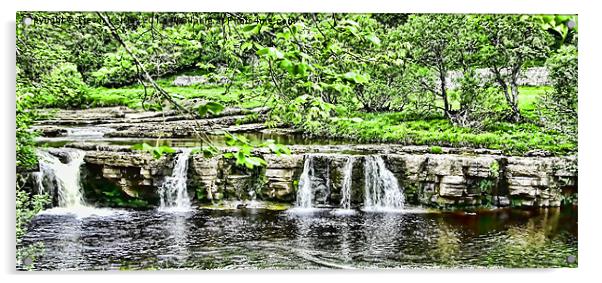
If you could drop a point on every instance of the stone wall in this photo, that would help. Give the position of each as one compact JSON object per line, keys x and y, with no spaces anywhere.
{"x":434,"y":180}
{"x":535,"y":76}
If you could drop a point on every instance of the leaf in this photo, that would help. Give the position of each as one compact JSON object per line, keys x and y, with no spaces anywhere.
{"x":255,"y":161}
{"x":241,"y":159}
{"x":246,"y":46}
{"x":279,"y":149}
{"x":270,"y":53}
{"x":301,"y":69}
{"x":166,"y":149}
{"x":251,"y":162}
{"x":142,"y":146}
{"x":210,"y":107}
{"x":230,"y":139}
{"x":287,"y":65}
{"x":248,"y":27}
{"x":215,"y":107}
{"x":202,"y":110}
{"x":210,"y":151}
{"x":355,"y":77}
{"x":373,"y":38}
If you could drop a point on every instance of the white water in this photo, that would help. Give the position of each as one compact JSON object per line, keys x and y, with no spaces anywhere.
{"x":64,"y":177}
{"x":305,"y":192}
{"x":88,"y":132}
{"x":382,"y":191}
{"x":346,"y":186}
{"x":173,"y":192}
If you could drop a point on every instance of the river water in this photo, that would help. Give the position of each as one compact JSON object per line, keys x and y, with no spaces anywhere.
{"x":264,"y":239}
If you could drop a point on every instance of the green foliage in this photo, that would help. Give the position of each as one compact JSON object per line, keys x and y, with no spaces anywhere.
{"x":25,"y":146}
{"x":506,"y":43}
{"x":116,"y":198}
{"x":156,"y":151}
{"x":307,"y":112}
{"x":314,"y":70}
{"x":161,"y":48}
{"x":63,"y":87}
{"x":436,"y":149}
{"x":569,"y":199}
{"x":210,"y":107}
{"x":243,"y":151}
{"x":485,"y":186}
{"x":494,"y":169}
{"x":563,"y":27}
{"x":558,"y":107}
{"x":438,"y":131}
{"x":437,"y":51}
{"x":207,"y":151}
{"x":27,"y":207}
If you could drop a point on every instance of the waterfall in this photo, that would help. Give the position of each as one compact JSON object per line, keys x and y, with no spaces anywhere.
{"x":382,"y":191}
{"x":305,"y":192}
{"x":173,"y":192}
{"x":346,"y":186}
{"x":65,"y":177}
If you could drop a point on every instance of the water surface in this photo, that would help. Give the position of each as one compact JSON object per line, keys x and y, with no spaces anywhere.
{"x":258,"y":239}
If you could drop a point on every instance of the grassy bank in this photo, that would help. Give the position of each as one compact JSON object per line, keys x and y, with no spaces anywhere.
{"x":393,"y":127}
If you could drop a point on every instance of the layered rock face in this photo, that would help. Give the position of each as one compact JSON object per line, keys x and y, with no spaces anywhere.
{"x":127,"y":123}
{"x":454,"y":179}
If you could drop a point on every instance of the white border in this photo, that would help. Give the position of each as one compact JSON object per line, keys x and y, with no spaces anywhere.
{"x":590,"y":101}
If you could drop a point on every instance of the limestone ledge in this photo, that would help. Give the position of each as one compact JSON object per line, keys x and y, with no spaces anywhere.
{"x":454,"y":178}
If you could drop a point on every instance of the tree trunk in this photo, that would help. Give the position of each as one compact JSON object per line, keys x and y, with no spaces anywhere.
{"x":442,"y":74}
{"x":516,"y":117}
{"x":510,"y":93}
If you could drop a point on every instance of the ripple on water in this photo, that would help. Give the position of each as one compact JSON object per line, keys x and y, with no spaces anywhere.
{"x":95,"y":239}
{"x":84,"y":212}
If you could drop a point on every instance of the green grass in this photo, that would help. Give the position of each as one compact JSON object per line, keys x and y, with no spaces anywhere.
{"x":527,"y":100}
{"x":397,"y":127}
{"x":131,"y":96}
{"x":511,"y":138}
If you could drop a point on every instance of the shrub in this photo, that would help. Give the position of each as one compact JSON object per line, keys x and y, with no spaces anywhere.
{"x":63,"y":87}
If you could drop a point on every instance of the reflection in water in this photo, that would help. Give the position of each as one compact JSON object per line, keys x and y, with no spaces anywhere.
{"x":67,"y":236}
{"x":255,"y":238}
{"x":177,"y":250}
{"x":380,"y":231}
{"x":447,"y":244}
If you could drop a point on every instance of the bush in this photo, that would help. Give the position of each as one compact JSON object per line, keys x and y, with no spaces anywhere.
{"x":63,"y":87}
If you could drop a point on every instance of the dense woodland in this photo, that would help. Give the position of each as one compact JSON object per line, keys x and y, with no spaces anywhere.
{"x":361,"y":77}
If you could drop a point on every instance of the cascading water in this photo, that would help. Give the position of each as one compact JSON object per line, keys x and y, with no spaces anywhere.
{"x":65,"y":177}
{"x":173,"y":192}
{"x":346,"y":186}
{"x":305,"y":192}
{"x":382,"y":191}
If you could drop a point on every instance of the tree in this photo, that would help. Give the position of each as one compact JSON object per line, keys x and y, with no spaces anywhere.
{"x":559,"y":106}
{"x":434,"y":45}
{"x":507,"y":43}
